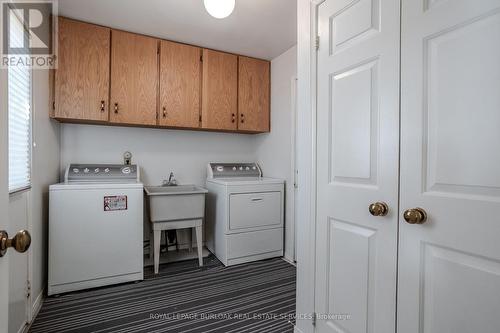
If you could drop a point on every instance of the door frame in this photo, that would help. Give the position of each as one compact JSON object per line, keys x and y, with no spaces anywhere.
{"x":293,"y":166}
{"x":307,"y":27}
{"x":4,"y":204}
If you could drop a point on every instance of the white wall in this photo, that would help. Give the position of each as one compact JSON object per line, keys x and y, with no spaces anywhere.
{"x":45,"y":172}
{"x":157,"y":151}
{"x":274,"y":150}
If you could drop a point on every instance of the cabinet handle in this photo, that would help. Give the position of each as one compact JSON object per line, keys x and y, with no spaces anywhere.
{"x":116,"y":107}
{"x":242,"y":118}
{"x":102,"y":106}
{"x":164,"y":112}
{"x":233,"y":118}
{"x":257,"y":199}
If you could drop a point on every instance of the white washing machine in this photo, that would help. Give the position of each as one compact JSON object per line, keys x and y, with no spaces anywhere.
{"x":95,"y":227}
{"x":245,"y":213}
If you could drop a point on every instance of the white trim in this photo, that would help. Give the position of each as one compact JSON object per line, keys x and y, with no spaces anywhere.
{"x":296,"y":330}
{"x":37,"y":305}
{"x":287,"y":260}
{"x":307,"y":31}
{"x":292,"y":258}
{"x":29,"y":218}
{"x":35,"y":309}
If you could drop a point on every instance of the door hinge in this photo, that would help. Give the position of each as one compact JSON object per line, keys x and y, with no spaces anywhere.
{"x":317,"y":43}
{"x":314,"y":316}
{"x":201,"y":58}
{"x":28,"y":289}
{"x":54,"y":105}
{"x":199,"y":118}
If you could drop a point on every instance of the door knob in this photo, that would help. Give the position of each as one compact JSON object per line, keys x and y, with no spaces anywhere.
{"x":378,"y":209}
{"x":415,"y":216}
{"x":21,"y":242}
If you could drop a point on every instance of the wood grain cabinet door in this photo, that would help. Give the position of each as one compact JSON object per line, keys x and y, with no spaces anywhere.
{"x":180,"y":85}
{"x":220,"y":91}
{"x":82,"y":77}
{"x":134,"y":78}
{"x":253,"y":95}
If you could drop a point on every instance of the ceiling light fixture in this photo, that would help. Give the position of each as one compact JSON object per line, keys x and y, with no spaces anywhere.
{"x":219,"y":8}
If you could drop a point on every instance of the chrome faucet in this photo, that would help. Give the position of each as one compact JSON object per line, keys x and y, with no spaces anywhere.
{"x":171,"y":181}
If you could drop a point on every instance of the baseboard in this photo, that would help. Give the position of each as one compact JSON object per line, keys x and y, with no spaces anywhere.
{"x":296,"y":330}
{"x":290,"y":261}
{"x":37,"y":305}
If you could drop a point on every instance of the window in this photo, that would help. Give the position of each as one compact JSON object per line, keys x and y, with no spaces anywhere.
{"x":19,"y":102}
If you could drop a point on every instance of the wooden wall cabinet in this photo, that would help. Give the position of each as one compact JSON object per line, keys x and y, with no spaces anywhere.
{"x":180,"y":85}
{"x":134,"y":78}
{"x":220,"y":91}
{"x":114,"y":77}
{"x":81,"y":87}
{"x":253,"y":95}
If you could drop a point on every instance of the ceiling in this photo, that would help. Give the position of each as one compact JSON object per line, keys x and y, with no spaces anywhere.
{"x":257,"y":28}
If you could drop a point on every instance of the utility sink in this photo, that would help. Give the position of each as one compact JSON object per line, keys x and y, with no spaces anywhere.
{"x":174,"y":203}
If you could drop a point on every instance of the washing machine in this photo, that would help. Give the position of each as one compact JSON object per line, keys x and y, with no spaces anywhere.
{"x":245,"y":213}
{"x":95,"y":227}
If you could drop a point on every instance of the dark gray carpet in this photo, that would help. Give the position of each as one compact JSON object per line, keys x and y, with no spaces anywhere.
{"x":250,"y":298}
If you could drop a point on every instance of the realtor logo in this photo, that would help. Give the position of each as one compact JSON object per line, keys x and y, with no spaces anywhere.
{"x":29,"y":33}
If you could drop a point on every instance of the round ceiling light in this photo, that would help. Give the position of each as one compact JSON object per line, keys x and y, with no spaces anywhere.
{"x":219,"y":8}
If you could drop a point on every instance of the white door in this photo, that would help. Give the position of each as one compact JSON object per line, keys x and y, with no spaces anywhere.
{"x":357,"y":165}
{"x":4,"y":202}
{"x":449,"y":267}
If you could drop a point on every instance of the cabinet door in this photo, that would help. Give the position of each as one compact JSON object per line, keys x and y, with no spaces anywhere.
{"x":253,"y":95}
{"x":180,"y":85}
{"x":220,"y":90}
{"x":82,"y":77}
{"x":134,"y":79}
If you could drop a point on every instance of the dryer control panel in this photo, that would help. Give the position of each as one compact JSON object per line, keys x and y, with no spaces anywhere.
{"x":226,"y":170}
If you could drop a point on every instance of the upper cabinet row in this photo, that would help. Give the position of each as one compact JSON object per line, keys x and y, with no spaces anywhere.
{"x":116,"y":77}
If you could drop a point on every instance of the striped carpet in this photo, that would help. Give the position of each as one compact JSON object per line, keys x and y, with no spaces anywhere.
{"x":249,"y":298}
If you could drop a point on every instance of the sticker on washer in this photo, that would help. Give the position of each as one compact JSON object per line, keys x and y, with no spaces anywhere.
{"x":118,"y":202}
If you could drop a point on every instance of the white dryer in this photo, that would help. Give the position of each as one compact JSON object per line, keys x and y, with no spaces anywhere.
{"x":95,"y":228}
{"x":245,"y":213}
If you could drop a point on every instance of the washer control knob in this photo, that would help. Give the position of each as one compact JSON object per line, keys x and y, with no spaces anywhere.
{"x":220,"y":168}
{"x":97,"y":170}
{"x":86,"y":170}
{"x":75,"y":170}
{"x":241,"y":168}
{"x":254,"y":168}
{"x":247,"y":168}
{"x":106,"y":170}
{"x":126,"y":170}
{"x":234,"y":168}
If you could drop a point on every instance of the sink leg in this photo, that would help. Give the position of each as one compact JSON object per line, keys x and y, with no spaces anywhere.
{"x":191,"y":240}
{"x":157,"y":237}
{"x":151,"y":242}
{"x":199,"y":242}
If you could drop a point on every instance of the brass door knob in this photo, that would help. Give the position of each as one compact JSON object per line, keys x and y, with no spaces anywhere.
{"x":378,"y":209}
{"x":21,"y":242}
{"x":415,"y":216}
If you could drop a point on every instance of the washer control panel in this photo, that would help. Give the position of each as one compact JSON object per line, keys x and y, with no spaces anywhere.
{"x":224,"y":170}
{"x":101,"y":173}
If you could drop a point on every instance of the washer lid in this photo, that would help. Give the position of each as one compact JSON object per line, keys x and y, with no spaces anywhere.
{"x":95,"y":186}
{"x":246,"y":181}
